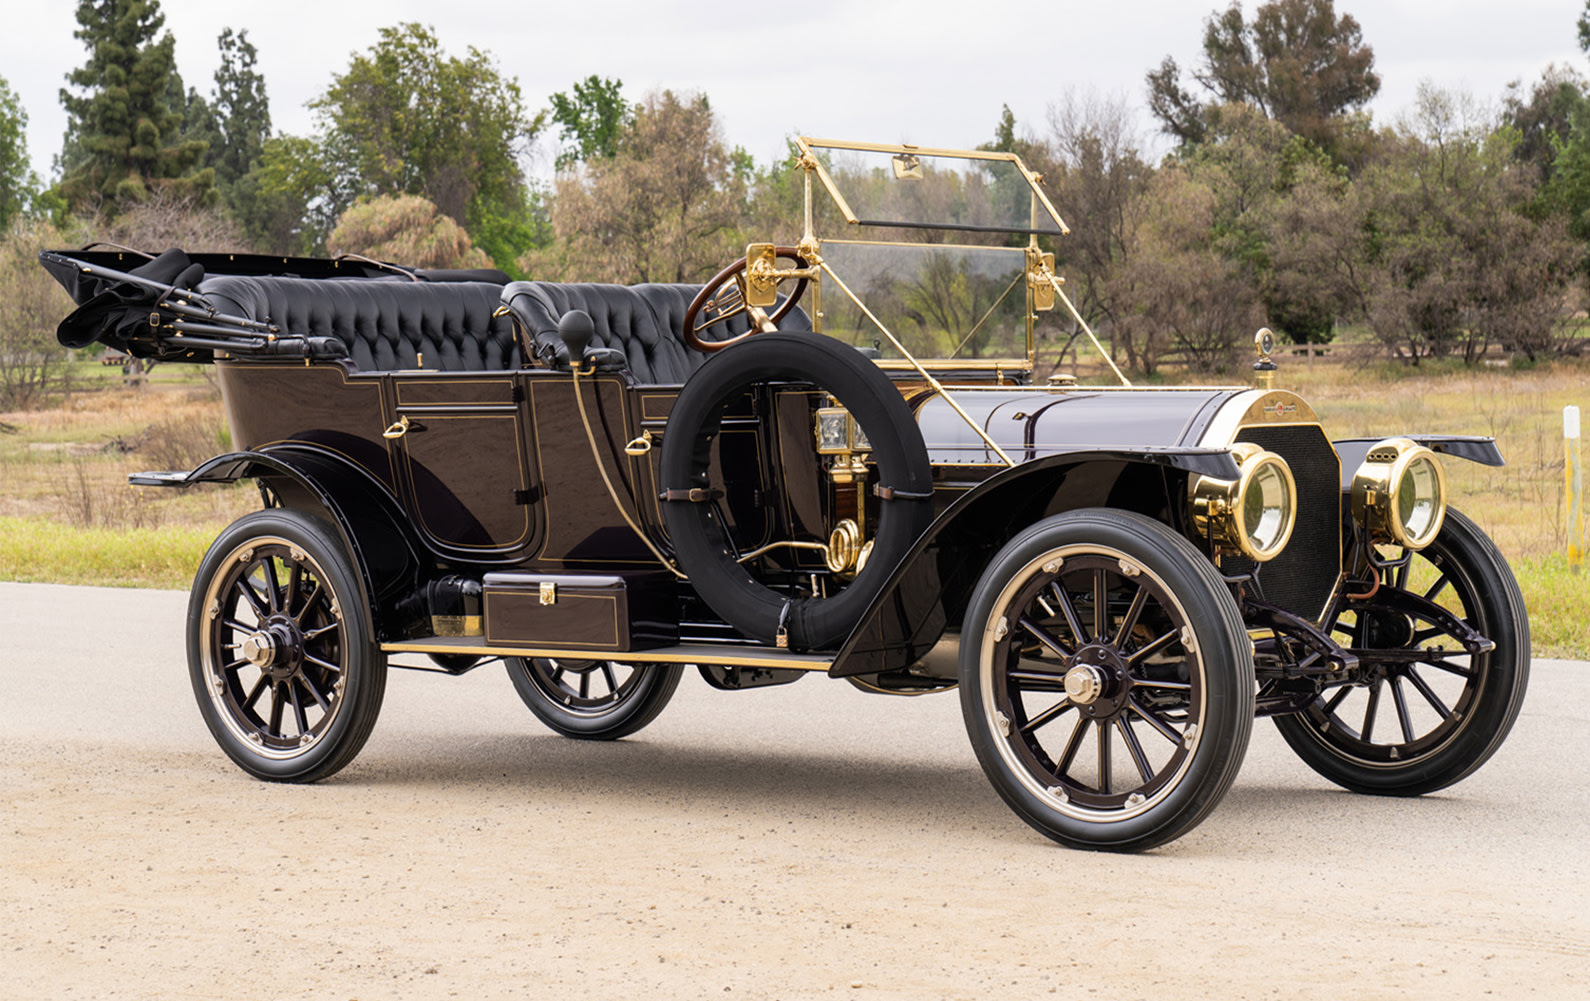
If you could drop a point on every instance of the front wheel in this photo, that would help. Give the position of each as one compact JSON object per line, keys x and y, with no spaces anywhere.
{"x":1106,"y":680}
{"x":1422,"y":714}
{"x":593,"y":699}
{"x":280,"y":653}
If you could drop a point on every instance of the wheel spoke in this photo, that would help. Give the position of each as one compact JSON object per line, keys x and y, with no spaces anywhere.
{"x":324,"y":665}
{"x":274,"y":727}
{"x":1369,"y":712}
{"x":295,"y":580}
{"x":255,"y":692}
{"x":299,"y":716}
{"x":315,"y":693}
{"x":1424,"y":689}
{"x":1073,"y":745}
{"x":1073,"y":622}
{"x":253,"y":599}
{"x":1401,"y":703}
{"x":273,"y":586}
{"x":607,"y":674}
{"x":1402,"y":573}
{"x":1048,"y":715}
{"x":236,"y":625}
{"x":1172,"y":686}
{"x":1135,"y":749}
{"x":1037,"y":681}
{"x":1448,"y":667}
{"x":1101,"y":607}
{"x":314,"y":596}
{"x":323,"y":630}
{"x":1154,"y":647}
{"x":1103,"y":736}
{"x":1338,"y":699}
{"x":585,"y":684}
{"x":1139,"y":600}
{"x":1043,"y":636}
{"x":1161,"y":727}
{"x":1436,"y":588}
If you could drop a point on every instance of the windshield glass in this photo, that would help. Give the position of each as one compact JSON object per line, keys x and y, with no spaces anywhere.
{"x":926,"y":251}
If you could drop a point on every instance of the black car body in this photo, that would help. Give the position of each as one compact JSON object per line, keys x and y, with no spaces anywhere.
{"x":601,"y":485}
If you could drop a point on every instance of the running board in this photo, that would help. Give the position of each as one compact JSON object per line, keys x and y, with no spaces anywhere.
{"x":686,"y":653}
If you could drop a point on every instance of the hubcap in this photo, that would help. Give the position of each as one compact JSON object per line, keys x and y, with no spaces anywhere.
{"x":1084,"y":684}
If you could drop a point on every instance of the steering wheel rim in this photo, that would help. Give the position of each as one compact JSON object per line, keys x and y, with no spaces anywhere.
{"x":708,"y":296}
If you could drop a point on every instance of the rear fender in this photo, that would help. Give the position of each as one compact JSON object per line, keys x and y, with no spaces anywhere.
{"x":929,"y":589}
{"x":384,"y":550}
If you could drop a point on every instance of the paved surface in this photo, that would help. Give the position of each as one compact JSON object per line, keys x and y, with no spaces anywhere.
{"x":786,"y":843}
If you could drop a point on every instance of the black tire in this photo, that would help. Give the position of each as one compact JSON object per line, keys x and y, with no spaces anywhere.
{"x":593,"y":699}
{"x":280,"y":653}
{"x":1168,"y":658}
{"x":1447,"y":716}
{"x":700,"y":541}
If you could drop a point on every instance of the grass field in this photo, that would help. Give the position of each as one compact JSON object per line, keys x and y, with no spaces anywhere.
{"x":67,"y":514}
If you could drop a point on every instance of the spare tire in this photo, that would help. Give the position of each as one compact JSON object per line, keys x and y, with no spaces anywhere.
{"x":700,"y":541}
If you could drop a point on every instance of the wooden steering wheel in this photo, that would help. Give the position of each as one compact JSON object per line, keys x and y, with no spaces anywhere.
{"x":724,"y":297}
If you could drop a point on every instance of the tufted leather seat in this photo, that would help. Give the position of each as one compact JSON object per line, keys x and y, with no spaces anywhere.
{"x":645,"y":322}
{"x":385,"y":325}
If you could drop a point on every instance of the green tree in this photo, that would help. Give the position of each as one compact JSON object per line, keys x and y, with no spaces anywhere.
{"x":126,"y":118}
{"x":1543,"y":117}
{"x":17,"y":180}
{"x":241,"y":109}
{"x":407,"y":119}
{"x":1297,"y":62}
{"x":665,"y":207}
{"x":591,"y":120}
{"x":289,"y":202}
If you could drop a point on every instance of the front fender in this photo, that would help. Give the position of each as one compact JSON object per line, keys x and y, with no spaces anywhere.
{"x":928,"y":590}
{"x":1474,"y":448}
{"x":386,"y":554}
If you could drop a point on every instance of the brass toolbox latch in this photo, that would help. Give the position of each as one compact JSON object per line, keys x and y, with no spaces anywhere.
{"x":549,"y":593}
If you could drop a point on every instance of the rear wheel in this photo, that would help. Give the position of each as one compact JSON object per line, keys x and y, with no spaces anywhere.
{"x":279,"y":649}
{"x":593,"y":699}
{"x":1423,"y":717}
{"x":1106,"y":680}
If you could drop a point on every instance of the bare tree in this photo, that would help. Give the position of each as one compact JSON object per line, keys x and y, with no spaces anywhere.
{"x":32,"y":364}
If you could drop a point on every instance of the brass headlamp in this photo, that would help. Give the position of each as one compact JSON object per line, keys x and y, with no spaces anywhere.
{"x":1399,"y":494}
{"x":1253,"y":515}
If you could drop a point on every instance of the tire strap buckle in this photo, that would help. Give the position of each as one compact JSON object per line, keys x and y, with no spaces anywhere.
{"x":695,"y":495}
{"x":781,"y":637}
{"x":890,"y":493}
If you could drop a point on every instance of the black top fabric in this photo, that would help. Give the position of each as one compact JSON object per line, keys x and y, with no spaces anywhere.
{"x":386,"y":325}
{"x":645,"y":322}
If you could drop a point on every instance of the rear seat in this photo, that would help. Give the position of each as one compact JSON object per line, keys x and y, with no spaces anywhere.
{"x":645,"y":322}
{"x":386,"y":325}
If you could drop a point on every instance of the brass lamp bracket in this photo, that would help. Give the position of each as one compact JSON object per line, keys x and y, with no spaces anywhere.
{"x":1041,"y":279}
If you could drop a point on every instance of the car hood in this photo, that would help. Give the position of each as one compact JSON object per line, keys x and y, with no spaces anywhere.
{"x":1031,"y":423}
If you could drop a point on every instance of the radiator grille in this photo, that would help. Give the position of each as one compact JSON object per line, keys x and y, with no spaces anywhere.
{"x":1301,"y":579}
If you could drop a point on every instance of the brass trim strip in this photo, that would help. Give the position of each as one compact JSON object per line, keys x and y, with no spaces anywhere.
{"x":683,"y":654}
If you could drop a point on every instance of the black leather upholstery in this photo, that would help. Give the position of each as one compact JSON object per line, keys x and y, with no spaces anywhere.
{"x":385,"y":325}
{"x":645,"y":322}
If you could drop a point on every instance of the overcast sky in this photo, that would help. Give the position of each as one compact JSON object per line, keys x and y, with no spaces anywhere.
{"x":930,"y":72}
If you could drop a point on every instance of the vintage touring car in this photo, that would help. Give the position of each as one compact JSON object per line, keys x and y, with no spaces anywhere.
{"x":836,"y":456}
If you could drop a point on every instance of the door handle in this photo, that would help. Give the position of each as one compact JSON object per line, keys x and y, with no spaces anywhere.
{"x":401,"y":427}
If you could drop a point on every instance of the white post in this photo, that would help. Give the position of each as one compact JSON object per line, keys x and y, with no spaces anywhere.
{"x":1573,"y":469}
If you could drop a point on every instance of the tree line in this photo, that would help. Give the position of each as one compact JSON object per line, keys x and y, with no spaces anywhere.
{"x":1457,"y":228}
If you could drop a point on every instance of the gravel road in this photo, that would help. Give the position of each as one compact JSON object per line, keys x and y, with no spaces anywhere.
{"x":796,"y":842}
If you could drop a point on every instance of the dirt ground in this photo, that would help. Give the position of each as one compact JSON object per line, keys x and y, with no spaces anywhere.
{"x":797,"y":842}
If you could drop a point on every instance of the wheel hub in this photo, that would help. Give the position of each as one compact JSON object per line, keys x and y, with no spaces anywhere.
{"x":276,"y":648}
{"x":1098,"y":681}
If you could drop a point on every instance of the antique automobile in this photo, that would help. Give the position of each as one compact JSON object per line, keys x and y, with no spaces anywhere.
{"x":840,"y":455}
